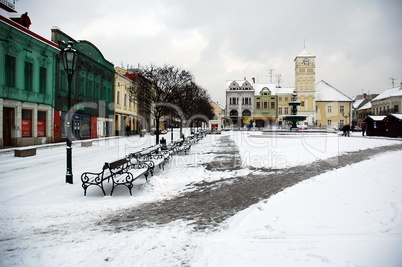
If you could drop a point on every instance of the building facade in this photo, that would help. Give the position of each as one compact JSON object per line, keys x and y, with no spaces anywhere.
{"x":389,"y":101}
{"x":92,"y":94}
{"x":333,"y":108}
{"x":266,"y":105}
{"x":239,"y":102}
{"x":27,"y":82}
{"x":125,"y":104}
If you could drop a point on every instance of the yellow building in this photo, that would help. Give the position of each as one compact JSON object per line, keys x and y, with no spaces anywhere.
{"x":284,"y":95}
{"x":126,"y":108}
{"x":333,"y":108}
{"x":265,"y":105}
{"x":219,"y":111}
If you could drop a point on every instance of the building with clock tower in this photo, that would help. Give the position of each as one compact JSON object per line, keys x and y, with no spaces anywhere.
{"x":305,"y":84}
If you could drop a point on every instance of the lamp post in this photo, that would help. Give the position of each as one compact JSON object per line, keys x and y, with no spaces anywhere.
{"x":69,"y":57}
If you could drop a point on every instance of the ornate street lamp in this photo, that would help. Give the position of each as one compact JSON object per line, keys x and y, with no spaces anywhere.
{"x":69,"y":57}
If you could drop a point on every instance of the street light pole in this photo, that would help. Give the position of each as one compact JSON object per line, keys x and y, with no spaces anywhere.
{"x":69,"y":57}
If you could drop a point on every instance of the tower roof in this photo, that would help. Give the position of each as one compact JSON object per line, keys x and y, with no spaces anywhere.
{"x":305,"y":53}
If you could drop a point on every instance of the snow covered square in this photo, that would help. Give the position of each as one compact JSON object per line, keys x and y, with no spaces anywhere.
{"x":344,"y":216}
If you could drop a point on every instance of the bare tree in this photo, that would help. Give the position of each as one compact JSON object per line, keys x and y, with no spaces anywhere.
{"x":194,"y":102}
{"x":157,"y":89}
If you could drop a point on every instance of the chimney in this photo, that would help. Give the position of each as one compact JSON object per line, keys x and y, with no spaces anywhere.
{"x":245,"y":78}
{"x":364,"y":95}
{"x":253,"y":79}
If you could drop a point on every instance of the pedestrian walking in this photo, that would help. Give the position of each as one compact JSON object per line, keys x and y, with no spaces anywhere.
{"x":363,"y":129}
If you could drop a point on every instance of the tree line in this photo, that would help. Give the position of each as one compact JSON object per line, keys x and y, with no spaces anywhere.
{"x":170,"y":91}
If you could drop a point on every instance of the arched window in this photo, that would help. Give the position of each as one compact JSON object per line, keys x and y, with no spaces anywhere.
{"x":246,"y":113}
{"x":234,"y":113}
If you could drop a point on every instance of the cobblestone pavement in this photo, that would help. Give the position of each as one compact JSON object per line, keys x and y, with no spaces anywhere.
{"x":213,"y":202}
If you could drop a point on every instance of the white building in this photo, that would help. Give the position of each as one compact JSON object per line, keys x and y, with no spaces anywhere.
{"x":239,"y":101}
{"x":389,"y":101}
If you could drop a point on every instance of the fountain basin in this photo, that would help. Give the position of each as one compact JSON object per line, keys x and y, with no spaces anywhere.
{"x":294,"y":118}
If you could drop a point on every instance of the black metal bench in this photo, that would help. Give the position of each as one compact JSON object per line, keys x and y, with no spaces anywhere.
{"x":153,"y":156}
{"x":183,"y":145}
{"x":121,"y":172}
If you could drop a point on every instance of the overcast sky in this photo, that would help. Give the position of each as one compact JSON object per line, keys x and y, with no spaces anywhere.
{"x":358,"y":43}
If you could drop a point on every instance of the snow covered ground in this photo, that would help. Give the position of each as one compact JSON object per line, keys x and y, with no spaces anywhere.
{"x":350,"y":216}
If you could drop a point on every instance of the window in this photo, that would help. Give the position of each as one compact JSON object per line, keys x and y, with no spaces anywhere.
{"x":286,"y":98}
{"x":125,"y":100}
{"x":42,"y":80}
{"x":329,"y":122}
{"x":63,"y":81}
{"x":91,"y":89}
{"x":302,"y":103}
{"x":258,"y":105}
{"x":280,"y":98}
{"x":28,"y":76}
{"x":234,"y":100}
{"x":342,"y":109}
{"x":280,"y":110}
{"x":83,"y":85}
{"x":118,"y":98}
{"x":329,"y":109}
{"x":286,"y":111}
{"x":41,"y":123}
{"x":10,"y":71}
{"x":272,"y":105}
{"x":26,"y":123}
{"x":396,"y":109}
{"x":265,"y":105}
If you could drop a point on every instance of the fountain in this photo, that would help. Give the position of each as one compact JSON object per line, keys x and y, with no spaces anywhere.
{"x":294,"y":118}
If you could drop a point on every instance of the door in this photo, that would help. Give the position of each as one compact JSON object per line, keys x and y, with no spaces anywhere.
{"x":8,"y":115}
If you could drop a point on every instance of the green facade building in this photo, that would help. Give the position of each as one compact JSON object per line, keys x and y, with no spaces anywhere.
{"x":92,"y":96}
{"x":27,"y":82}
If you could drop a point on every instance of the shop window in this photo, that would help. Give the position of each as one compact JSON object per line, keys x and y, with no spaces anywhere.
{"x":26,"y":123}
{"x":41,"y":123}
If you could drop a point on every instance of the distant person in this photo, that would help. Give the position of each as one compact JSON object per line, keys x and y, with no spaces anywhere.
{"x":363,"y":129}
{"x":346,"y":130}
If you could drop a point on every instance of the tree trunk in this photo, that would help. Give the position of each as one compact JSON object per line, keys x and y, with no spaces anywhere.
{"x":157,"y":129}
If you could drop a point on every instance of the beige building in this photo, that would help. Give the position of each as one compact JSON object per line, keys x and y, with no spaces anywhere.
{"x":126,"y":108}
{"x":284,"y":97}
{"x":305,"y":84}
{"x":218,"y":110}
{"x":333,"y":108}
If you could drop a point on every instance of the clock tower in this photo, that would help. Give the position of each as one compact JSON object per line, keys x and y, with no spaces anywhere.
{"x":305,"y":84}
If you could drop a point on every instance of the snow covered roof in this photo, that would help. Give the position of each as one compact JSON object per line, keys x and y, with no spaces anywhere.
{"x":305,"y":53}
{"x":397,"y":91}
{"x":365,"y":106}
{"x":376,"y":118}
{"x":398,"y":116}
{"x":357,"y":103}
{"x":326,"y":92}
{"x":285,"y":90}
